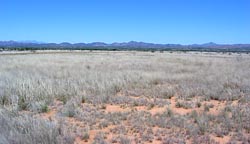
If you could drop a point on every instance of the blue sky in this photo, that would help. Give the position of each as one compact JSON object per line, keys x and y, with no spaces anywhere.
{"x":158,"y":21}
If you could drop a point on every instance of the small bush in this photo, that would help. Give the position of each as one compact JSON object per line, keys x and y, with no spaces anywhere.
{"x":117,"y":88}
{"x":124,"y":140}
{"x":22,"y":103}
{"x":169,"y":112}
{"x":4,"y":100}
{"x":178,"y":105}
{"x":71,"y":108}
{"x":135,"y":104}
{"x":44,"y":108}
{"x":203,"y":140}
{"x":184,"y":105}
{"x":198,"y":104}
{"x":99,"y":138}
{"x":206,"y":108}
{"x":151,"y":105}
{"x":202,"y":123}
{"x":156,"y":81}
{"x":85,"y":136}
{"x":83,"y":100}
{"x":104,"y":124}
{"x":194,"y":114}
{"x":63,"y":98}
{"x":168,"y":94}
{"x":103,"y":106}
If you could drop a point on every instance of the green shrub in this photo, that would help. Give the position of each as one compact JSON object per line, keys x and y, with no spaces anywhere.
{"x":22,"y":103}
{"x":44,"y":108}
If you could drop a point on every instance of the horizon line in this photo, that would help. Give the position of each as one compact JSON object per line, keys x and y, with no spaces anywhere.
{"x":43,"y":42}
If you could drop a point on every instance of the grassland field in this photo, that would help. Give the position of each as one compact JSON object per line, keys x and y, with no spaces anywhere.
{"x":99,"y":97}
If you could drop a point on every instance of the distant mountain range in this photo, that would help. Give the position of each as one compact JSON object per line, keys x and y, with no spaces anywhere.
{"x":132,"y":45}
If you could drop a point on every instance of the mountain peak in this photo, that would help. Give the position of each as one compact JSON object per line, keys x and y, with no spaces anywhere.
{"x":210,"y":44}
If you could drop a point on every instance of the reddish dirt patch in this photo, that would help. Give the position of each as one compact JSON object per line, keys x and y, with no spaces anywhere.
{"x":156,"y":110}
{"x":93,"y":133}
{"x":154,"y":142}
{"x":49,"y":115}
{"x":218,"y":106}
{"x":115,"y":108}
{"x":118,"y":108}
{"x":153,"y":110}
{"x":52,"y":110}
{"x":181,"y":111}
{"x":221,"y":140}
{"x":74,"y":121}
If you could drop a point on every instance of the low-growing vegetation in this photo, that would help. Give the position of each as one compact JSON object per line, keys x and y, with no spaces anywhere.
{"x":124,"y":97}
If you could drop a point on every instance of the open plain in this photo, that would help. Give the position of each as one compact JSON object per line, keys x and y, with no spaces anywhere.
{"x":124,"y":97}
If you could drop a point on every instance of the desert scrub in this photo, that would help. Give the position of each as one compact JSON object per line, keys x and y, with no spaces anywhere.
{"x":169,"y":112}
{"x":71,"y":108}
{"x":31,"y":82}
{"x":168,"y":94}
{"x":156,"y":81}
{"x":202,"y":122}
{"x":119,"y":129}
{"x":183,"y":104}
{"x":206,"y":107}
{"x":100,"y":138}
{"x":22,"y":103}
{"x":4,"y":100}
{"x":103,"y":124}
{"x":203,"y":139}
{"x":85,"y":136}
{"x":44,"y":108}
{"x":150,"y":106}
{"x":84,"y":99}
{"x":26,"y":129}
{"x":62,"y":98}
{"x":103,"y":106}
{"x":122,"y":139}
{"x":117,"y":117}
{"x":241,"y":117}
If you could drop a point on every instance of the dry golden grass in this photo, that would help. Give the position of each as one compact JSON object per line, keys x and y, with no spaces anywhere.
{"x":124,"y":97}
